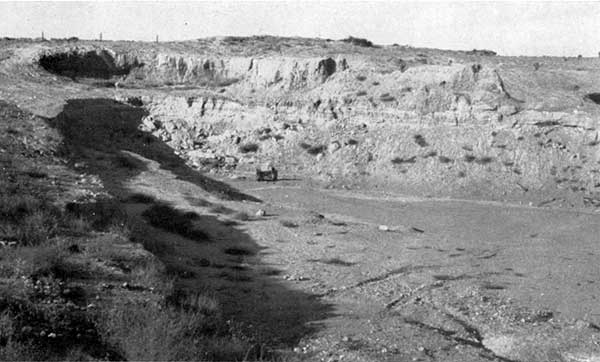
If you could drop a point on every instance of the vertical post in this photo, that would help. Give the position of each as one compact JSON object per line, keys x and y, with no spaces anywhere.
{"x":43,"y":35}
{"x":157,"y":38}
{"x":100,"y":36}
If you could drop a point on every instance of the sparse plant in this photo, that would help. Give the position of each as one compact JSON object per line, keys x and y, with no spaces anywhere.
{"x":386,"y":97}
{"x":335,"y":261}
{"x":358,"y":42}
{"x":469,"y":158}
{"x":126,"y":161}
{"x":304,"y":145}
{"x":288,"y":224}
{"x":315,"y":150}
{"x":420,"y":140}
{"x":139,"y":198}
{"x":167,"y":218}
{"x":156,"y":332}
{"x":221,"y":209}
{"x":241,"y":216}
{"x":484,"y":160}
{"x":400,"y":160}
{"x":248,"y":147}
{"x":238,"y":251}
{"x":444,"y":159}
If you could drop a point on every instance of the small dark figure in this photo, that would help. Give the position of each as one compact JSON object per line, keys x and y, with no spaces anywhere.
{"x":269,"y":175}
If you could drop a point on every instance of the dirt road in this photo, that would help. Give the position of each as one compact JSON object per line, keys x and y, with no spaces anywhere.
{"x":448,"y":279}
{"x":444,"y":280}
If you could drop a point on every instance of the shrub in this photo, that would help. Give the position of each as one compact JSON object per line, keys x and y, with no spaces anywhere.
{"x":36,"y":174}
{"x":336,"y":261}
{"x":288,"y":224}
{"x":36,"y":228}
{"x":386,"y":97}
{"x":484,"y":160}
{"x":304,"y":145}
{"x":399,"y":160}
{"x":315,"y":150}
{"x":420,"y":140}
{"x":169,"y":219}
{"x":469,"y":158}
{"x":127,"y":162}
{"x":102,"y":214}
{"x":220,"y":209}
{"x":358,"y":42}
{"x":143,"y":235}
{"x":241,"y":216}
{"x":166,"y":333}
{"x":139,"y":198}
{"x":238,"y":251}
{"x":444,"y":159}
{"x":248,"y":147}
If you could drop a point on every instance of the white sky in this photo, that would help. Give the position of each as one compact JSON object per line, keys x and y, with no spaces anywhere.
{"x":510,"y":28}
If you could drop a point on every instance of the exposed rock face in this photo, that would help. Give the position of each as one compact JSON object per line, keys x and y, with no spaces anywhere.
{"x":286,"y":73}
{"x":442,"y":128}
{"x":168,"y":69}
{"x":84,"y":62}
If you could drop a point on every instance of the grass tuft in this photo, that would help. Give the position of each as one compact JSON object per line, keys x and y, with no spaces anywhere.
{"x":420,"y":140}
{"x":315,"y":150}
{"x":248,"y":147}
{"x":288,"y":224}
{"x":167,"y":218}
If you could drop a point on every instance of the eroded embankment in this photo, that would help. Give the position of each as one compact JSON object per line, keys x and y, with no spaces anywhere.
{"x":155,"y":68}
{"x":442,"y":130}
{"x":445,"y":130}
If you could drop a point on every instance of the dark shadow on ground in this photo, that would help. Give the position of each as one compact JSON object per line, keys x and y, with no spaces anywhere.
{"x":204,"y":253}
{"x":96,"y":130}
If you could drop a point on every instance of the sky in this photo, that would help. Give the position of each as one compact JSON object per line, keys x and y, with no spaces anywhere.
{"x":562,"y":28}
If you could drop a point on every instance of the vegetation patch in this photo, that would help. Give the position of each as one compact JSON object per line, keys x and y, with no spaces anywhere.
{"x":304,"y":145}
{"x":420,"y":140}
{"x":315,"y":150}
{"x":128,"y":162}
{"x":386,"y":97}
{"x":167,"y":218}
{"x":469,"y":158}
{"x":334,"y":261}
{"x":400,"y":160}
{"x":361,"y":42}
{"x":444,"y":159}
{"x":221,"y":209}
{"x":288,"y":224}
{"x":139,"y":198}
{"x":485,"y":160}
{"x":241,"y":216}
{"x":238,"y":251}
{"x":248,"y":147}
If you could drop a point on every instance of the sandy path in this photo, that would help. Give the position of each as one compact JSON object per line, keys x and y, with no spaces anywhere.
{"x":538,"y":267}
